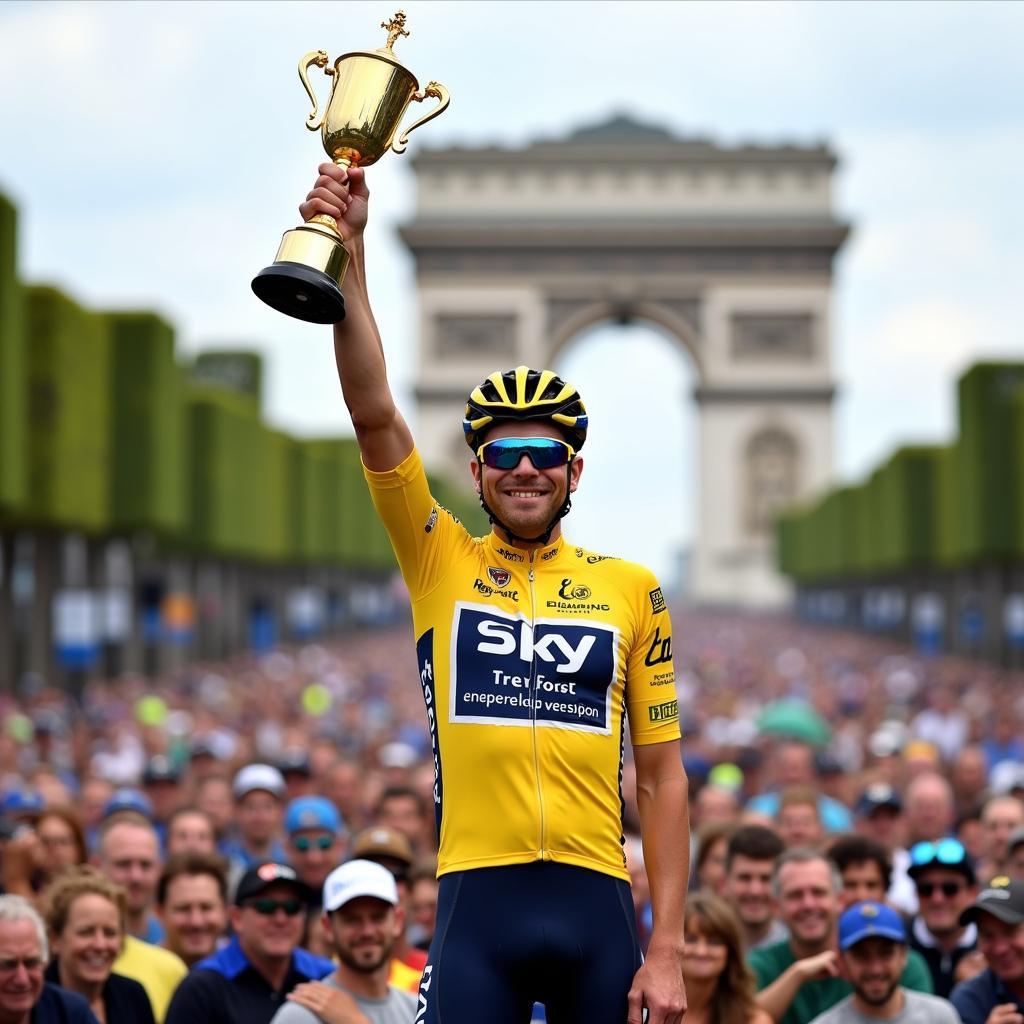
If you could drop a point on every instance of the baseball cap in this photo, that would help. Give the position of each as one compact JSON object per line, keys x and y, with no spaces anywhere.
{"x":1005,"y":777}
{"x":870,"y":920}
{"x":311,"y":812}
{"x":1002,"y":898}
{"x":160,"y":769}
{"x":382,"y":841}
{"x":359,"y":878}
{"x":258,"y":776}
{"x":296,"y":761}
{"x":128,"y":799}
{"x":259,"y":878}
{"x":22,"y":802}
{"x":876,"y":796}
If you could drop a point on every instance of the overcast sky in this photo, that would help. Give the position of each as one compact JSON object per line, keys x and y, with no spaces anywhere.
{"x":157,"y":152}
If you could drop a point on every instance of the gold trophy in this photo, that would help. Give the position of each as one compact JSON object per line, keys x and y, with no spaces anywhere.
{"x":370,"y":93}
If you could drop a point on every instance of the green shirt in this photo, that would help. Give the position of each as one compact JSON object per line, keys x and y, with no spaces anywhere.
{"x":815,"y":997}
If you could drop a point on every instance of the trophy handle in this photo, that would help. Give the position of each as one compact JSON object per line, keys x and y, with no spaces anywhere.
{"x":438,"y":92}
{"x":320,"y":59}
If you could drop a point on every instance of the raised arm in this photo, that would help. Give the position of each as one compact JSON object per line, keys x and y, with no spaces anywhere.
{"x":383,"y":435}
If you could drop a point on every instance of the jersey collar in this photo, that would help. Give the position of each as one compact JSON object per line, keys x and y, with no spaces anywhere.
{"x":510,"y":555}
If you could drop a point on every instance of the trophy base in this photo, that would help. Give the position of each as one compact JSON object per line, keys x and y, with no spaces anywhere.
{"x":300,"y":292}
{"x":304,"y":281}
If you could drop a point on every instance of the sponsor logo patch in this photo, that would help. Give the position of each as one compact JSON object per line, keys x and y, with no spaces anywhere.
{"x":512,"y":556}
{"x":663,"y":712}
{"x":657,"y":600}
{"x":488,"y":591}
{"x":431,"y":520}
{"x":660,"y":650}
{"x":507,"y":671}
{"x":570,"y":592}
{"x":499,"y":577}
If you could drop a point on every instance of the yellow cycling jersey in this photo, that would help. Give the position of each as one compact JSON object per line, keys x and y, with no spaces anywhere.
{"x":529,"y":664}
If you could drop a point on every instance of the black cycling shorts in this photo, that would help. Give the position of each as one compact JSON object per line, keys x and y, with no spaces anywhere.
{"x":507,"y":937}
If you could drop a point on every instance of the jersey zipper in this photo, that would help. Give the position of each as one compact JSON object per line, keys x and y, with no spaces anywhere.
{"x":533,"y":708}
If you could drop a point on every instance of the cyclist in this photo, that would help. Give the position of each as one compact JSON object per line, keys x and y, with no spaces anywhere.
{"x":531,"y":654}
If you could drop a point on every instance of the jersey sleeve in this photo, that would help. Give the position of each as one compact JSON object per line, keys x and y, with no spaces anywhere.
{"x":422,"y":532}
{"x":651,"y":700}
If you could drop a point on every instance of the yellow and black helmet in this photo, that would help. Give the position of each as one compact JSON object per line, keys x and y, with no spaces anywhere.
{"x":525,"y":394}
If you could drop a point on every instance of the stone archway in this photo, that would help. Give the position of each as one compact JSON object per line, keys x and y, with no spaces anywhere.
{"x":729,"y":250}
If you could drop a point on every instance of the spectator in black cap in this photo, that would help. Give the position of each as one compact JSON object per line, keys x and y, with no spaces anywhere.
{"x":248,"y":979}
{"x":297,"y":772}
{"x":944,"y":877}
{"x":996,"y":995}
{"x":161,"y":781}
{"x":879,"y":813}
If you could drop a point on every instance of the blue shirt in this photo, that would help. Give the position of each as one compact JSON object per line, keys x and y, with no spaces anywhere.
{"x":226,"y":989}
{"x":974,"y":999}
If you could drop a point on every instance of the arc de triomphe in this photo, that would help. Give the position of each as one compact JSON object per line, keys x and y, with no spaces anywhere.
{"x":729,"y":250}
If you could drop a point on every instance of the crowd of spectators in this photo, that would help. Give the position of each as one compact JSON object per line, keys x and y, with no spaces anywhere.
{"x":257,"y":840}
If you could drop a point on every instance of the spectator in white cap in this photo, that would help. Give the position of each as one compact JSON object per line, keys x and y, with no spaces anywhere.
{"x":258,"y":792}
{"x":363,"y":919}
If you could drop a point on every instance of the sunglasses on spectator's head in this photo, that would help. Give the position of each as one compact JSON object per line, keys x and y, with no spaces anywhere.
{"x":543,"y":452}
{"x":270,"y":907}
{"x":948,"y":889}
{"x":304,"y":844}
{"x":945,"y":851}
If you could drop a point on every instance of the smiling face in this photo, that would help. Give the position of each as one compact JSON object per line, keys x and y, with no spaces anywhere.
{"x":526,"y":499}
{"x":808,"y":903}
{"x":194,"y":915}
{"x":363,"y":932}
{"x":873,"y":967}
{"x":89,"y":943}
{"x":21,"y":968}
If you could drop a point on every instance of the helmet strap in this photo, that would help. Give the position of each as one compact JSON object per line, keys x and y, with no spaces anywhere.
{"x":544,"y":537}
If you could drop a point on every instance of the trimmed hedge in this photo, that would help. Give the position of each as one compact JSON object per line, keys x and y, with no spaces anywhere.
{"x":13,"y":412}
{"x":69,"y":404}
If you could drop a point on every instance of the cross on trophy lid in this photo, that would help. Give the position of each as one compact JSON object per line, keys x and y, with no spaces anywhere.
{"x":395,"y":28}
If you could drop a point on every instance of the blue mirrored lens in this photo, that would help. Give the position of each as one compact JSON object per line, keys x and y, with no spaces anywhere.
{"x":543,"y":452}
{"x":945,"y":851}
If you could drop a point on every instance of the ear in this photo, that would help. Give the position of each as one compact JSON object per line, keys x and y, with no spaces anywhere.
{"x":474,"y":468}
{"x":235,"y":917}
{"x":325,"y":924}
{"x":575,"y":472}
{"x":399,"y":920}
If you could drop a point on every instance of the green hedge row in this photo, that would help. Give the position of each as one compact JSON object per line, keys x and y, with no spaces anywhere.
{"x":927,"y":507}
{"x":101,"y":430}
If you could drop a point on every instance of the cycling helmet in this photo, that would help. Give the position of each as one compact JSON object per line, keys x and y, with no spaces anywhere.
{"x":525,"y":394}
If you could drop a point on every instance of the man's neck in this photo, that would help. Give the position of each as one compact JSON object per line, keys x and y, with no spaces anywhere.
{"x":527,"y":546}
{"x":802,"y":950}
{"x":138,"y":923}
{"x":1016,"y":987}
{"x":258,"y":848}
{"x":368,"y":984}
{"x":892,"y":1007}
{"x":755,"y":933}
{"x":273,"y":969}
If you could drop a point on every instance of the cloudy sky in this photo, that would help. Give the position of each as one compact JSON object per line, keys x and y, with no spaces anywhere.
{"x":157,"y":152}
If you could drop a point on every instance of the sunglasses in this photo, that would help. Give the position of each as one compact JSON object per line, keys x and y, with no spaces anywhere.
{"x":543,"y":452}
{"x":945,"y":851}
{"x":270,"y":907}
{"x":30,"y":963}
{"x":948,"y":889}
{"x":304,"y":844}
